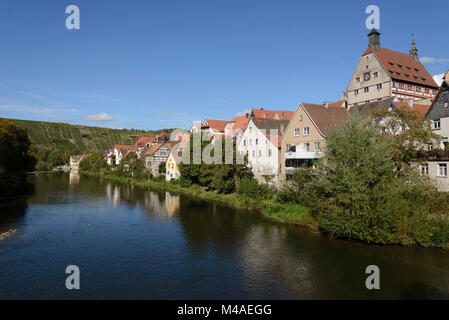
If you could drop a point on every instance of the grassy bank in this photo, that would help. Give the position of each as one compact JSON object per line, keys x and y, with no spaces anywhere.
{"x":284,"y":213}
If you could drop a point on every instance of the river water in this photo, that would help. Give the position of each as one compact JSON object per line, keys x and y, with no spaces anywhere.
{"x":132,"y":243}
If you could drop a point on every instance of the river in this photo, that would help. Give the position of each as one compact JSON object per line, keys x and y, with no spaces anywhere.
{"x":133,"y":243}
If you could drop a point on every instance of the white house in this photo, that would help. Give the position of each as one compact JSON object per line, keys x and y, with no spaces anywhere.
{"x":261,"y":142}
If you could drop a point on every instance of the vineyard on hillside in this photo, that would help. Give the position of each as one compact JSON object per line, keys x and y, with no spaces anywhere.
{"x":56,"y":135}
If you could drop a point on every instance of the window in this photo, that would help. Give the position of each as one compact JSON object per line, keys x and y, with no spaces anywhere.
{"x":257,"y":142}
{"x":418,"y":89}
{"x":307,"y":147}
{"x":442,"y":170}
{"x":250,"y":142}
{"x":317,"y":146}
{"x":357,"y":79}
{"x":426,"y":90}
{"x":366,"y":89}
{"x":300,"y":117}
{"x":269,"y":152}
{"x":446,"y":105}
{"x":356,"y":91}
{"x":379,"y":86}
{"x":296,"y":132}
{"x":425,"y":169}
{"x":436,"y":124}
{"x":401,"y":86}
{"x":306,"y":131}
{"x":409,"y":87}
{"x":253,"y":153}
{"x":287,"y":147}
{"x":250,"y":129}
{"x":244,"y":142}
{"x":376,"y":74}
{"x":260,"y":153}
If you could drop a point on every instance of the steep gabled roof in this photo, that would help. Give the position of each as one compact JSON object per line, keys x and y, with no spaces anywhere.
{"x":240,"y":122}
{"x":270,"y":114}
{"x":142,"y":141}
{"x":325,"y":117}
{"x":403,"y":67}
{"x":217,"y":125}
{"x":124,"y":148}
{"x":443,"y":91}
{"x":156,"y":147}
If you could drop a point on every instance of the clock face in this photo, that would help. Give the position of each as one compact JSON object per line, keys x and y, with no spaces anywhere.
{"x":367,"y":76}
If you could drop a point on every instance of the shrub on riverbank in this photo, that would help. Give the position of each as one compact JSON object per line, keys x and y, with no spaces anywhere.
{"x":357,"y":194}
{"x":15,"y":160}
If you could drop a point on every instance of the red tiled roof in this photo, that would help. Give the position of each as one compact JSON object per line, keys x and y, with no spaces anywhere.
{"x":324,"y":118}
{"x":339,"y":103}
{"x":422,"y":109}
{"x":403,"y":67}
{"x":123,"y":148}
{"x":156,"y":147}
{"x":270,"y":114}
{"x":144,"y":140}
{"x":217,"y":125}
{"x":240,"y":123}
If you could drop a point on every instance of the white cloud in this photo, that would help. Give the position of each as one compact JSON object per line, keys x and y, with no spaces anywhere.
{"x":101,"y":117}
{"x":438,"y":78}
{"x":242,"y":113}
{"x":433,"y":60}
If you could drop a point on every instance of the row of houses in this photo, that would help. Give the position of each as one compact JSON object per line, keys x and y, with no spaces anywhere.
{"x":154,"y":150}
{"x":277,"y":142}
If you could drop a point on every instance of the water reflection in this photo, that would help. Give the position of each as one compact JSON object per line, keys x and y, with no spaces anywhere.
{"x":74,"y":177}
{"x":183,"y":248}
{"x":155,"y":204}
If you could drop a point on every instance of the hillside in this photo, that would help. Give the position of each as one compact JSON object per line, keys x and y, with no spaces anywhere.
{"x":60,"y":135}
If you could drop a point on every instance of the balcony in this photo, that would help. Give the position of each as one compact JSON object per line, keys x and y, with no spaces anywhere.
{"x":303,"y":155}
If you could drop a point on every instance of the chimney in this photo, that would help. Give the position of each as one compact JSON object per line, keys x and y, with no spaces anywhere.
{"x":413,"y":51}
{"x":247,"y":115}
{"x":374,"y":39}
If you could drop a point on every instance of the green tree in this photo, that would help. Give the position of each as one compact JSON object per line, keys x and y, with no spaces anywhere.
{"x":359,"y":196}
{"x":15,"y":159}
{"x":408,"y":133}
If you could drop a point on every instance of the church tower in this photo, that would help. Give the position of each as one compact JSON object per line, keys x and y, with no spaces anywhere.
{"x":374,"y":39}
{"x":413,"y":51}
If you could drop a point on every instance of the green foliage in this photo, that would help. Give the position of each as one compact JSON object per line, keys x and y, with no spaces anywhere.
{"x":14,"y":147}
{"x":15,"y":159}
{"x":94,"y":163}
{"x":222,"y":177}
{"x":358,"y":196}
{"x":53,"y":135}
{"x":162,"y":168}
{"x":408,"y":135}
{"x":43,"y":166}
{"x":252,"y":189}
{"x":297,"y":188}
{"x":131,"y":166}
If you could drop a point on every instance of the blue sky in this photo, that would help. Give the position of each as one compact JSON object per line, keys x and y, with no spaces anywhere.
{"x":159,"y":64}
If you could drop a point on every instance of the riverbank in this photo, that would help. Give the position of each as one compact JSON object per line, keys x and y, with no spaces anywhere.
{"x":288,"y":213}
{"x":283,"y":213}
